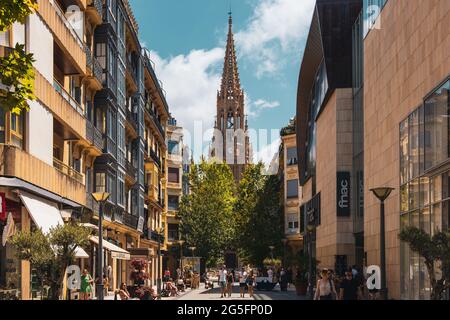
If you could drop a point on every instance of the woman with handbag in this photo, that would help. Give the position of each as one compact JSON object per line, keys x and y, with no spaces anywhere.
{"x":325,"y":288}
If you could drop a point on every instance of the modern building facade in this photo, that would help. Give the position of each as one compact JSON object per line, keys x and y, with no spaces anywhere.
{"x":231,"y":143}
{"x":324,"y":133}
{"x":292,"y":192}
{"x":390,"y":123}
{"x":100,"y":114}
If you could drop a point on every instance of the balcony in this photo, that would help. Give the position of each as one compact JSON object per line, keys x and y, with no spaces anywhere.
{"x":154,"y":120}
{"x":131,"y":125}
{"x":68,"y":171}
{"x":94,"y":70}
{"x":94,"y":136}
{"x":155,"y":158}
{"x":64,"y":33}
{"x":61,"y":104}
{"x":131,"y":76}
{"x":131,"y":172}
{"x":17,"y":163}
{"x":154,"y":236}
{"x":130,"y":220}
{"x":94,"y":11}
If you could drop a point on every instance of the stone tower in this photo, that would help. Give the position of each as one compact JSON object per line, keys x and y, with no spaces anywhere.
{"x":231,"y":123}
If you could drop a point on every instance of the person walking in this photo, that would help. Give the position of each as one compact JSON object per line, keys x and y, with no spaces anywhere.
{"x":250,"y":283}
{"x":222,"y":280}
{"x":270,"y":275}
{"x":230,"y":281}
{"x":86,"y":285}
{"x":325,"y":287}
{"x":289,"y":275}
{"x":349,"y":289}
{"x":283,"y":280}
{"x":242,"y":282}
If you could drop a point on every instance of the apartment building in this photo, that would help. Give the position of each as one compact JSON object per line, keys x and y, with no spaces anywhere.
{"x":99,"y":117}
{"x":385,"y":104}
{"x":175,"y":191}
{"x":292,"y":194}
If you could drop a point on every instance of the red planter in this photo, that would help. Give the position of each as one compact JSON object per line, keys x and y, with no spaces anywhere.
{"x":301,"y":289}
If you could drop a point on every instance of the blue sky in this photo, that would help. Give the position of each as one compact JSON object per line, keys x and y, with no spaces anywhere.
{"x":187,"y":40}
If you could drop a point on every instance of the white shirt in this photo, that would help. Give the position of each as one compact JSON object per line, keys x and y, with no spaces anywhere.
{"x":223,"y":275}
{"x":243,"y":277}
{"x":270,"y":274}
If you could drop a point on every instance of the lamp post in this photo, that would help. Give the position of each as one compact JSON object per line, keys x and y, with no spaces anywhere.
{"x":382,"y":194}
{"x":101,"y":198}
{"x":181,"y":242}
{"x":310,"y":229}
{"x":271,"y":251}
{"x":158,"y":280}
{"x":192,"y":249}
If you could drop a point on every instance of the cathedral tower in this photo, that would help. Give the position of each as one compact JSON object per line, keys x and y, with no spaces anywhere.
{"x":231,"y":121}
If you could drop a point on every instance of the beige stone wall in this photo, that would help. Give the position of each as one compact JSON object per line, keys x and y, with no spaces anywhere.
{"x":334,"y":153}
{"x":404,"y":60}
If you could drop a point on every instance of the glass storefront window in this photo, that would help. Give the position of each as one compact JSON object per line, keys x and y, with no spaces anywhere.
{"x":436,"y":189}
{"x":404,"y":198}
{"x":414,"y":194}
{"x":437,"y":126}
{"x":404,"y":152}
{"x":425,"y":220}
{"x":424,"y":192}
{"x":414,"y":151}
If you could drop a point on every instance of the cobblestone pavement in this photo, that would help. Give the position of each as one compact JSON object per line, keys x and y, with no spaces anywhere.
{"x":214,"y":294}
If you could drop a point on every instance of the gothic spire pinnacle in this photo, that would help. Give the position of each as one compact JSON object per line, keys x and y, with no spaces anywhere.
{"x":231,"y":85}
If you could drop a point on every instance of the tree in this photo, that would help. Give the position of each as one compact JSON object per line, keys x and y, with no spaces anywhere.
{"x":260,"y":214}
{"x":16,"y":67}
{"x":50,"y":254}
{"x":207,"y":215}
{"x":435,"y":250}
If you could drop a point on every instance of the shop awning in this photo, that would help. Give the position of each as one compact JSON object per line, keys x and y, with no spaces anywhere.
{"x":45,"y":214}
{"x":116,"y":252}
{"x":80,"y":253}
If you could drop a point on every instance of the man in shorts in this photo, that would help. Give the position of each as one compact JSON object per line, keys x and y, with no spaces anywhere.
{"x":243,"y":275}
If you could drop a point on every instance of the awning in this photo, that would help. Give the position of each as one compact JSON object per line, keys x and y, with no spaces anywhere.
{"x":21,"y":184}
{"x":80,"y":253}
{"x":116,"y":252}
{"x":45,"y":214}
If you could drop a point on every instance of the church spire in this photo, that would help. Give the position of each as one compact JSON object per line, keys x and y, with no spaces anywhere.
{"x":231,"y":85}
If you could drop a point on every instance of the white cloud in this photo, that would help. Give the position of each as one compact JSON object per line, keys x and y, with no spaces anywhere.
{"x":263,"y":104}
{"x":274,"y":32}
{"x":191,"y":82}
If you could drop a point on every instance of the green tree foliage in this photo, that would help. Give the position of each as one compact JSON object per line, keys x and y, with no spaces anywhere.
{"x":15,"y":10}
{"x":52,"y":253}
{"x":207,"y":216}
{"x":435,"y":250}
{"x":16,"y":67}
{"x":260,"y":215}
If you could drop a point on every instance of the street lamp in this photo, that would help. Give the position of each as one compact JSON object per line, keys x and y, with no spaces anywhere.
{"x":181,"y":242}
{"x":310,"y":229}
{"x":382,"y":194}
{"x":159,"y":231}
{"x":101,"y":198}
{"x":192,"y":249}
{"x":271,"y":251}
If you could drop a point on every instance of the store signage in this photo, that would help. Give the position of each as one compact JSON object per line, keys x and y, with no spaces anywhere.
{"x":374,"y":280}
{"x":2,"y":206}
{"x":312,"y":209}
{"x":343,"y":194}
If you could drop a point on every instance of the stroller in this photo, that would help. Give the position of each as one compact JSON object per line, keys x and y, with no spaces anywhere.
{"x":208,"y":283}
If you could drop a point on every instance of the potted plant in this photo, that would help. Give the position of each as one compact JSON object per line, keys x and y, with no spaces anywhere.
{"x":138,"y":275}
{"x":301,"y":278}
{"x":145,"y":293}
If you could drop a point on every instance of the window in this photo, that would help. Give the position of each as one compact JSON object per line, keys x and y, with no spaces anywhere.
{"x":17,"y":129}
{"x":100,"y":53}
{"x":100,"y":182}
{"x":292,"y":189}
{"x":174,"y":175}
{"x":230,"y":120}
{"x":291,"y":158}
{"x":120,"y":189}
{"x":5,"y":38}
{"x":174,"y":202}
{"x":173,"y":147}
{"x":292,"y":222}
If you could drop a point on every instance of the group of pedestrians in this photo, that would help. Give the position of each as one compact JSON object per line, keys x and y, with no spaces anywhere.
{"x":227,"y":279}
{"x":350,"y":287}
